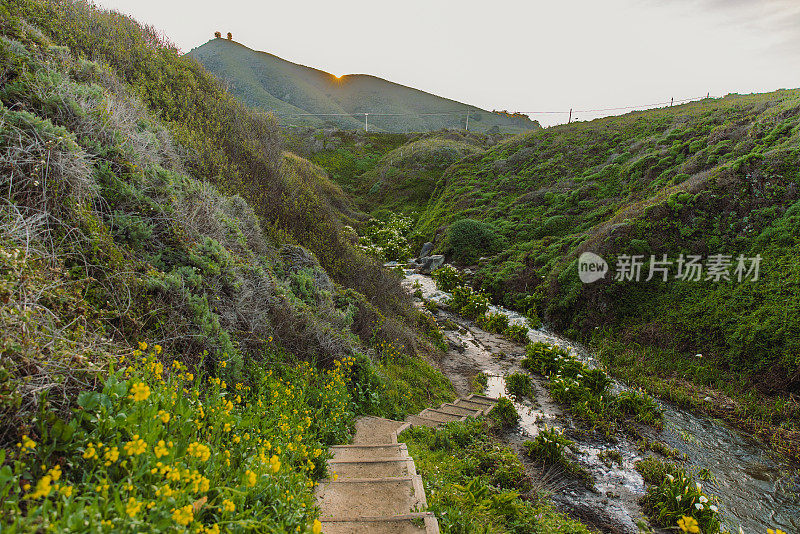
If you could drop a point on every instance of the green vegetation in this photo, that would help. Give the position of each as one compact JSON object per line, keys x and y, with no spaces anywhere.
{"x":448,"y":278}
{"x":517,"y":332}
{"x":503,"y":414}
{"x":549,"y":447}
{"x":479,"y":383}
{"x":142,"y":202}
{"x":468,"y":302}
{"x":673,"y":498}
{"x":268,"y":82}
{"x":610,"y":458}
{"x":474,"y":484}
{"x":585,"y":392}
{"x":519,"y":386}
{"x":469,"y":240}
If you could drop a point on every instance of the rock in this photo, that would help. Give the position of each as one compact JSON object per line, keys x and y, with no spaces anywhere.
{"x":431,"y":263}
{"x":426,"y":250}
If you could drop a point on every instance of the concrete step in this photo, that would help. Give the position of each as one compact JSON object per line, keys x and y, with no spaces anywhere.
{"x":458,"y":410}
{"x":376,"y":430}
{"x":416,"y":523}
{"x":375,"y":468}
{"x":488,"y":401}
{"x":371,"y":497}
{"x":416,"y":420}
{"x":438,"y":415}
{"x":466,"y":403}
{"x":394,"y":451}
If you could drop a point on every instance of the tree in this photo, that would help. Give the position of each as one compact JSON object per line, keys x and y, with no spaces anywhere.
{"x":230,"y":36}
{"x":218,"y":35}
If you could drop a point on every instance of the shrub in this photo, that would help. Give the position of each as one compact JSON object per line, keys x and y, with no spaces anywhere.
{"x":470,"y":239}
{"x":549,"y":447}
{"x":519,"y":385}
{"x":517,"y":332}
{"x":479,"y":383}
{"x":448,"y":278}
{"x":674,"y":499}
{"x":493,"y":322}
{"x":503,"y":414}
{"x":468,"y":302}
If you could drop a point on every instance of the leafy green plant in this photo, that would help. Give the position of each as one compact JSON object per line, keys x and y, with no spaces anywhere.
{"x":493,"y":322}
{"x":448,"y":278}
{"x":519,"y":385}
{"x":549,"y":447}
{"x":470,"y":239}
{"x":479,"y":382}
{"x":468,"y":302}
{"x":517,"y":332}
{"x":503,"y":414}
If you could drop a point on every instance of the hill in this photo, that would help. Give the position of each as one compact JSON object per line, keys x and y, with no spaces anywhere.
{"x":301,"y":95}
{"x":716,"y":177}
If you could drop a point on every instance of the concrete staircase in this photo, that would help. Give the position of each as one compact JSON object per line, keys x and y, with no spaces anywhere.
{"x":377,"y":489}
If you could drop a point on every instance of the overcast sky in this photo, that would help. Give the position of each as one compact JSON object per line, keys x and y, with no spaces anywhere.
{"x":528,"y":56}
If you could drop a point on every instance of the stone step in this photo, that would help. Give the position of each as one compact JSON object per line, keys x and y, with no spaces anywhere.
{"x":458,"y":410}
{"x":415,"y":523}
{"x":376,"y":430}
{"x":416,"y":420}
{"x":438,"y":415}
{"x":370,"y":497}
{"x":488,"y":401}
{"x":375,"y":468}
{"x":484,"y":408}
{"x":395,"y":451}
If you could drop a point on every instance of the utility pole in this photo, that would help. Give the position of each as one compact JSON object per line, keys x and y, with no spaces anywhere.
{"x":467,"y":127}
{"x":570,"y":116}
{"x":366,"y":122}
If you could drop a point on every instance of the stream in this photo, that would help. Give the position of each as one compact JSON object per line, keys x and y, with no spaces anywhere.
{"x":756,"y":489}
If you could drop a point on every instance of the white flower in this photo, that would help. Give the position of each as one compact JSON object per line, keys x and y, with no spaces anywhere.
{"x":703,"y":499}
{"x":699,"y":487}
{"x":678,"y":498}
{"x":698,"y":506}
{"x":713,"y":508}
{"x":670,"y":477}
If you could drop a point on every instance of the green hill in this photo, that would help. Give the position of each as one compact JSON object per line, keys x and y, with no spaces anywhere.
{"x":718,"y":176}
{"x":301,"y":95}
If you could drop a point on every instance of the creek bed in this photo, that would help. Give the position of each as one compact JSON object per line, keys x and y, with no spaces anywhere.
{"x":757,"y":490}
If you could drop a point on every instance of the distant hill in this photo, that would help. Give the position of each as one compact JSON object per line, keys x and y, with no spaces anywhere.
{"x":293,"y":91}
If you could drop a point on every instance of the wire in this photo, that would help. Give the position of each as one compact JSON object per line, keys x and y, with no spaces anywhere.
{"x":461,"y":112}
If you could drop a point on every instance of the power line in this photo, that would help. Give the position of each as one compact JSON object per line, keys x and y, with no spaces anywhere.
{"x":460,"y":112}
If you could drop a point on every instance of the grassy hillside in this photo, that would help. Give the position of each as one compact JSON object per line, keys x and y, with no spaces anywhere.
{"x":713,"y":177}
{"x":173,"y":352}
{"x":270,"y":83}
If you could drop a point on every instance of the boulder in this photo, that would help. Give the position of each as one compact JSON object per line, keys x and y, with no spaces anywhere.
{"x":431,"y":263}
{"x":426,"y":250}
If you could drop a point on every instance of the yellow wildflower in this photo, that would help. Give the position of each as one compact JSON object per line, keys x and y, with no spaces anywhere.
{"x":689,"y":524}
{"x":161,"y":449}
{"x":157,"y":348}
{"x":90,"y":452}
{"x":275,"y":464}
{"x":43,"y":487}
{"x":228,"y":506}
{"x":66,"y":491}
{"x":142,"y":345}
{"x":198,"y":450}
{"x":26,"y":444}
{"x":133,"y":507}
{"x":251,"y":478}
{"x":139,"y":392}
{"x":55,"y":472}
{"x":136,"y":446}
{"x":184,"y":515}
{"x":164,"y":416}
{"x":316,"y":528}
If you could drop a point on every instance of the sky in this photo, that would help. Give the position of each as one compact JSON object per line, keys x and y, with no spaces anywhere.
{"x":531,"y":56}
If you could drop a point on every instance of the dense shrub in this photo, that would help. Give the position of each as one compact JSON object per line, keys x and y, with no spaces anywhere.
{"x":503,"y":414}
{"x":470,"y":239}
{"x":468,"y":302}
{"x":517,"y":332}
{"x":448,"y":278}
{"x":519,"y":385}
{"x":549,"y":447}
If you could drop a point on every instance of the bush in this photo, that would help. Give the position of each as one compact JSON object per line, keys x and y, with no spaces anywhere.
{"x":448,"y":278}
{"x":479,"y":383}
{"x":673,"y":498}
{"x":470,"y":239}
{"x":468,"y":302}
{"x":503,"y":414}
{"x":549,"y":447}
{"x":493,"y":322}
{"x":517,"y":332}
{"x":519,"y":385}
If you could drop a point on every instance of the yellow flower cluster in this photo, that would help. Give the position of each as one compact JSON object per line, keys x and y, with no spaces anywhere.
{"x":689,"y":524}
{"x":184,"y":515}
{"x":26,"y":444}
{"x":198,"y":450}
{"x":136,"y":446}
{"x":139,"y":392}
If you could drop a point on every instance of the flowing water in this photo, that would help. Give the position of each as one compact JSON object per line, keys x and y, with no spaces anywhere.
{"x":756,"y":489}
